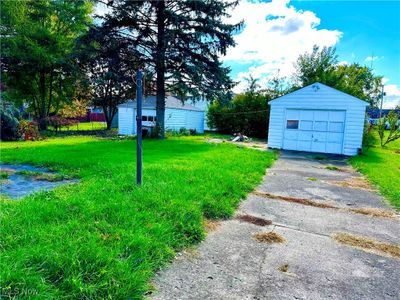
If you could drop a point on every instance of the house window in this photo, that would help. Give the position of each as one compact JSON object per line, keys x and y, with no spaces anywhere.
{"x":292,"y":124}
{"x":150,"y":118}
{"x":144,"y":118}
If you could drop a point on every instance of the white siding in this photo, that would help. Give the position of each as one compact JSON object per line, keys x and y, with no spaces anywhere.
{"x":320,"y":97}
{"x":126,"y":121}
{"x":176,"y":119}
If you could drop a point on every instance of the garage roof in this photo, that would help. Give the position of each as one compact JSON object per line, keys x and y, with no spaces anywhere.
{"x":317,"y":90}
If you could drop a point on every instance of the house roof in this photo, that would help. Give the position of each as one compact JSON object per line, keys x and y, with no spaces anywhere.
{"x":319,"y":87}
{"x":373,"y":113}
{"x":170,"y":102}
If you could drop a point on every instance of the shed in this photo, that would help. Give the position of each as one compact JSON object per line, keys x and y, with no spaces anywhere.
{"x":177,"y":115}
{"x":317,"y":118}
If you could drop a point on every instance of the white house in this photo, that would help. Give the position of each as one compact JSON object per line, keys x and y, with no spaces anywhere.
{"x":317,"y":118}
{"x":177,"y":115}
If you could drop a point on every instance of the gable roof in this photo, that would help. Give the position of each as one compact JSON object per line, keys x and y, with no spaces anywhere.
{"x":170,"y":102}
{"x":316,"y":89}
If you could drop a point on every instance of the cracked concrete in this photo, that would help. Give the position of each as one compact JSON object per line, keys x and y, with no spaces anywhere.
{"x":230,"y":264}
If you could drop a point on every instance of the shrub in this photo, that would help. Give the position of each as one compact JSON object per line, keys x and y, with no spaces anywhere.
{"x":57,"y":122}
{"x":391,"y":121}
{"x":28,"y":130}
{"x":368,"y":137}
{"x":184,"y":131}
{"x":247,"y":113}
{"x":9,"y":122}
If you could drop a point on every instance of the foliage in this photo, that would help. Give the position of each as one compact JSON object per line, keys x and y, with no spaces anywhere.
{"x":180,"y":42}
{"x":103,"y":237}
{"x":77,"y":109}
{"x":381,"y":165}
{"x":57,"y":122}
{"x":368,"y":137}
{"x":393,"y":122}
{"x":110,"y":63}
{"x":321,"y":65}
{"x":38,"y":38}
{"x":247,"y":113}
{"x":28,"y":130}
{"x":9,"y":117}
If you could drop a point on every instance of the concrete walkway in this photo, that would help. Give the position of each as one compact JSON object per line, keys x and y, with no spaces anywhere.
{"x":231,"y":264}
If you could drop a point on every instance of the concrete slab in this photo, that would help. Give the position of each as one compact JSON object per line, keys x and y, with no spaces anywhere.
{"x":231,"y":264}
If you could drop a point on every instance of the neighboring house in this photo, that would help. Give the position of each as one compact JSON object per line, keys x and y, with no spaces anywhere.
{"x":317,"y":118}
{"x":177,"y":115}
{"x":203,"y":104}
{"x":374,"y":113}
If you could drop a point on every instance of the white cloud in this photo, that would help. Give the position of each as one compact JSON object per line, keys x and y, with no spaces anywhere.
{"x":392,"y":98}
{"x":374,"y":58}
{"x":274,"y":35}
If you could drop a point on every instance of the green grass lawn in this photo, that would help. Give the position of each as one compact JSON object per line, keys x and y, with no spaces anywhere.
{"x":104,"y":237}
{"x":382,"y":167}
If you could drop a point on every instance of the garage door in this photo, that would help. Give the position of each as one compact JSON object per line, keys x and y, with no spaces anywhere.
{"x":314,"y":130}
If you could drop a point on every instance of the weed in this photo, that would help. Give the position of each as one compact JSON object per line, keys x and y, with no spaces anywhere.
{"x":319,"y":157}
{"x":332,"y":168}
{"x":312,"y":178}
{"x":269,"y":237}
{"x":284,"y":268}
{"x":367,"y":244}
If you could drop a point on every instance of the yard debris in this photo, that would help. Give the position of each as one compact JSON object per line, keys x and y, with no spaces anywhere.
{"x":254,"y":220}
{"x":367,"y":244}
{"x":368,"y":211}
{"x":269,"y":237}
{"x":303,"y":201}
{"x":357,"y":182}
{"x":211,"y":225}
{"x":373,"y":212}
{"x":284,"y":268}
{"x":332,"y":168}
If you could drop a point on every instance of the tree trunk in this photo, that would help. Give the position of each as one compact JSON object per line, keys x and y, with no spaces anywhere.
{"x":160,"y":70}
{"x":42,"y":106}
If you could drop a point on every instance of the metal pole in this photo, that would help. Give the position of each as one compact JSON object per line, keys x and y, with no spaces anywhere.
{"x":139,"y":95}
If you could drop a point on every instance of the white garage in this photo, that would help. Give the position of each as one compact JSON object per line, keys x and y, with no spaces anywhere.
{"x":317,"y":118}
{"x":177,"y":116}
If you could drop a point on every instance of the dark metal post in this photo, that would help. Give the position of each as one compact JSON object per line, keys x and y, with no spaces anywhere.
{"x":139,"y":95}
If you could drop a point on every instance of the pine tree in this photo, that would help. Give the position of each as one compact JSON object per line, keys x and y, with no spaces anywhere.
{"x":180,"y":41}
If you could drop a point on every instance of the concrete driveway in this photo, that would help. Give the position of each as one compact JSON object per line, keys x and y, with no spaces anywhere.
{"x":307,"y":205}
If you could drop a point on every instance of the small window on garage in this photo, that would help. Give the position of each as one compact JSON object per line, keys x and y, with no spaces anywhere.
{"x":292,"y":124}
{"x":144,"y":118}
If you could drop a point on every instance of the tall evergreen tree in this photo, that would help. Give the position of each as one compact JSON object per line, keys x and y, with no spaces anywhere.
{"x":180,"y":41}
{"x":38,"y":38}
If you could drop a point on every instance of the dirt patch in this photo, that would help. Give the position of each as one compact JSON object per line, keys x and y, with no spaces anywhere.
{"x":269,"y":237}
{"x":295,"y":200}
{"x":253,"y":220}
{"x":353,"y":182}
{"x":211,"y":225}
{"x":250,"y":144}
{"x":7,"y":171}
{"x":368,"y":245}
{"x":397,"y":151}
{"x":373,"y":212}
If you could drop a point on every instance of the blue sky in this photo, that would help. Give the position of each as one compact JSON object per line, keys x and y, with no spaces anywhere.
{"x":277,"y":31}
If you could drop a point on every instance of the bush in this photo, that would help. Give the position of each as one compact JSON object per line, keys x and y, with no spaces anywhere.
{"x":368,"y":137}
{"x":9,"y":122}
{"x":391,"y":121}
{"x":57,"y":122}
{"x":247,"y":113}
{"x":184,"y":131}
{"x":28,"y":130}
